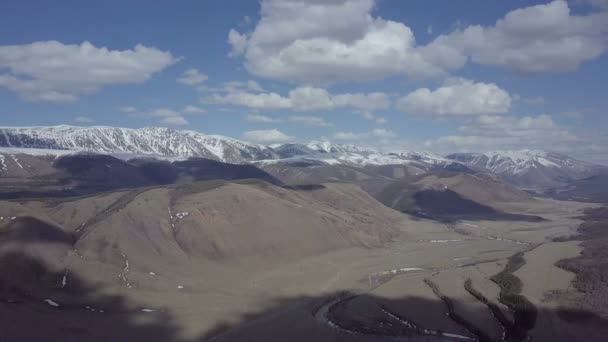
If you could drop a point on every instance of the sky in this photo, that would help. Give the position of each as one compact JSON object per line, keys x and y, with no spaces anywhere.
{"x":441,"y":76}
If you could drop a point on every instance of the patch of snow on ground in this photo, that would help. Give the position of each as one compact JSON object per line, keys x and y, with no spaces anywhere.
{"x":3,"y":167}
{"x":51,"y":302}
{"x":36,"y":151}
{"x":64,"y":280}
{"x":182,"y":215}
{"x":16,"y":161}
{"x":465,"y":258}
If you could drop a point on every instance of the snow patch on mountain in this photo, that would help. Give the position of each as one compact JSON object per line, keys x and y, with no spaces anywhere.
{"x":530,"y":168}
{"x":363,"y":159}
{"x":328,"y":147}
{"x":144,"y":141}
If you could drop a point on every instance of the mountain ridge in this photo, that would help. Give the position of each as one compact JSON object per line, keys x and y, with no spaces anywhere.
{"x":529,"y":168}
{"x":524,"y":168}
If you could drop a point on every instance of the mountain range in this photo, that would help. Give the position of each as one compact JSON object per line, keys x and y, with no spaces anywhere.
{"x":526,"y":168}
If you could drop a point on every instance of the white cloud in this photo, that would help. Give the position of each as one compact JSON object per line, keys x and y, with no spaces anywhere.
{"x":174,"y":121}
{"x":192,"y":77}
{"x":257,"y":118}
{"x":167,"y":116}
{"x":190,"y":109}
{"x":310,"y":99}
{"x":238,"y":43}
{"x":371,"y":116}
{"x":577,"y":114}
{"x":163,"y":112}
{"x":55,"y":72}
{"x":346,"y":136}
{"x":489,"y":132}
{"x":373,"y":134}
{"x":249,"y":85}
{"x":368,"y":102}
{"x":323,"y":42}
{"x":381,"y":121}
{"x":382,"y":133}
{"x":539,"y":38}
{"x":264,"y":101}
{"x":309,"y":121}
{"x":234,"y":86}
{"x":267,"y":136}
{"x":83,"y":119}
{"x":456,"y":97}
{"x":305,"y":98}
{"x":128,"y":109}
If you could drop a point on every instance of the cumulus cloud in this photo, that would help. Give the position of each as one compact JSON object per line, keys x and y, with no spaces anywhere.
{"x":238,"y":43}
{"x":234,"y":86}
{"x":190,"y":109}
{"x":539,"y":38}
{"x":55,"y":72}
{"x":375,"y":133}
{"x":267,"y":136}
{"x":192,"y":77}
{"x":488,"y":132}
{"x":263,"y":101}
{"x":381,"y":121}
{"x":346,"y":136}
{"x":167,"y":116}
{"x":370,"y":116}
{"x":322,"y":42}
{"x":305,"y":98}
{"x":128,"y":109}
{"x":257,"y":118}
{"x":382,"y":133}
{"x":457,"y":96}
{"x":366,"y":102}
{"x":309,"y":120}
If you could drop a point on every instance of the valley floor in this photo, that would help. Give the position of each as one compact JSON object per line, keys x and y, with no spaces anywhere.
{"x":413,"y":289}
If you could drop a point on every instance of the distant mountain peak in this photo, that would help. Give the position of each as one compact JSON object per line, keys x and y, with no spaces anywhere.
{"x":528,"y":167}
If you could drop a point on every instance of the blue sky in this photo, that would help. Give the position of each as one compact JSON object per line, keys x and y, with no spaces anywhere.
{"x":443,"y":76}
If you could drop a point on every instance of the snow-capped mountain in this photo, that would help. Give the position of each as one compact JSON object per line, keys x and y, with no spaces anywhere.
{"x":422,"y":160}
{"x":526,"y":168}
{"x":329,"y":147}
{"x":292,"y":150}
{"x":329,"y":153}
{"x":144,"y":141}
{"x":529,"y":168}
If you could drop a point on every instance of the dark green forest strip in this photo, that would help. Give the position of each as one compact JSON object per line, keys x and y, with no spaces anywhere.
{"x":524,"y":312}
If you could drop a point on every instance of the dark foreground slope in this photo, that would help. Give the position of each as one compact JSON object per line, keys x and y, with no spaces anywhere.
{"x":84,"y":174}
